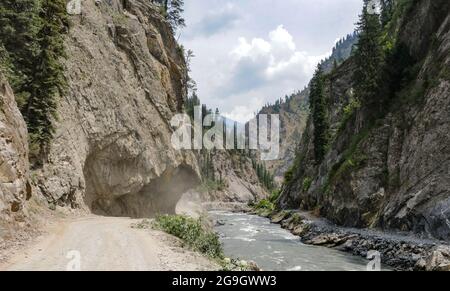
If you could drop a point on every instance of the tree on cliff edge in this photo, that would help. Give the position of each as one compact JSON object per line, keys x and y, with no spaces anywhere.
{"x":173,"y":10}
{"x":368,"y":57}
{"x":319,"y":115}
{"x":19,"y":25}
{"x":48,"y":81}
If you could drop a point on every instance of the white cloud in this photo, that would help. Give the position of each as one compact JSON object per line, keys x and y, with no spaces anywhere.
{"x":244,"y":54}
{"x":278,"y":53}
{"x":298,"y":63}
{"x":282,"y":43}
{"x":259,"y":64}
{"x":282,"y":37}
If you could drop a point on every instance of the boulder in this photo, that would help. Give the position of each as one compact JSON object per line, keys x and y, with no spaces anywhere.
{"x":439,"y":259}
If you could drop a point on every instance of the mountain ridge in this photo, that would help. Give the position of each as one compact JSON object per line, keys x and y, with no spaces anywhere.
{"x":390,"y":173}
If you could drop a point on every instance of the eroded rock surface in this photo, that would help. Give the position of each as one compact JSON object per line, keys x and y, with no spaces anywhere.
{"x":394,"y":172}
{"x":439,"y":259}
{"x":14,"y":167}
{"x":111,"y":153}
{"x":239,"y":178}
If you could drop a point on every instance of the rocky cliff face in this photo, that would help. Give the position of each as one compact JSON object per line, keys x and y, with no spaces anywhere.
{"x":294,"y":112}
{"x":394,"y":172}
{"x":14,"y":168}
{"x":293,"y":116}
{"x":235,"y":185}
{"x":239,"y":178}
{"x":111,"y":153}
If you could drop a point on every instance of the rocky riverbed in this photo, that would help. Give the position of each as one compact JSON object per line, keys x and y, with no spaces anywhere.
{"x":401,"y":251}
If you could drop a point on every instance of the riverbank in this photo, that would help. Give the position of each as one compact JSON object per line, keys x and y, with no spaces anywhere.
{"x":401,"y":251}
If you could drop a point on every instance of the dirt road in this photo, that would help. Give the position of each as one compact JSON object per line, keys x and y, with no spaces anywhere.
{"x":104,"y":243}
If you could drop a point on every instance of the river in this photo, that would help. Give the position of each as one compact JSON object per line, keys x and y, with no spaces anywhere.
{"x":254,"y":238}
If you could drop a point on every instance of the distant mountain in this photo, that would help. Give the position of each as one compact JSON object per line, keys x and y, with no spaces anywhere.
{"x":294,"y":110}
{"x":341,"y":51}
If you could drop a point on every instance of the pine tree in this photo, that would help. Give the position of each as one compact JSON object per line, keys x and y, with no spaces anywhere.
{"x":319,"y":115}
{"x":387,"y":8}
{"x":6,"y":65}
{"x":48,"y":80}
{"x":368,"y":57}
{"x":19,"y":24}
{"x":208,"y":171}
{"x":173,"y":10}
{"x":191,"y":103}
{"x":190,"y":83}
{"x":264,"y":176}
{"x":31,"y":48}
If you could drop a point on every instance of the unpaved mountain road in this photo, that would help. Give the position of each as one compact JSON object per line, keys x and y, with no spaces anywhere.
{"x":106,"y":244}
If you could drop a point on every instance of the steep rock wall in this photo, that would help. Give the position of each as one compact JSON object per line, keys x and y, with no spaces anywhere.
{"x":111,"y":153}
{"x":394,"y":173}
{"x":294,"y":112}
{"x":293,"y":116}
{"x":14,"y":168}
{"x":240,"y":181}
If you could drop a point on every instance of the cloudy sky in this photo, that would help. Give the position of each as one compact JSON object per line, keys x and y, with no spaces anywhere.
{"x":250,"y":52}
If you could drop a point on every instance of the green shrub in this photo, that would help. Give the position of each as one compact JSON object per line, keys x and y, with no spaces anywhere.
{"x":192,"y":233}
{"x":296,"y":219}
{"x":350,"y":164}
{"x":307,"y":184}
{"x":274,"y":196}
{"x":265,"y":205}
{"x":264,"y":208}
{"x":299,"y":158}
{"x":289,"y":175}
{"x":352,"y":158}
{"x":348,"y":112}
